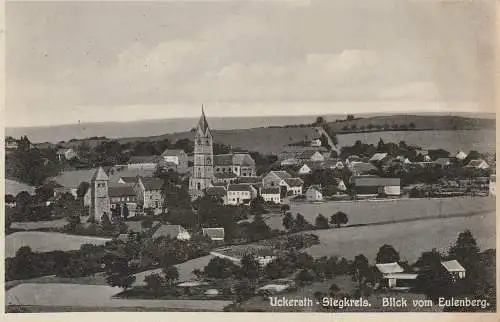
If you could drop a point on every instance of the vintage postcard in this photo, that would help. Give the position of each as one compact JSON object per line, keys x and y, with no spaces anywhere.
{"x":305,"y":156}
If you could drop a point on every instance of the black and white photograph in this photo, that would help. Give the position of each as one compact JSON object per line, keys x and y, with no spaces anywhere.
{"x":307,"y":156}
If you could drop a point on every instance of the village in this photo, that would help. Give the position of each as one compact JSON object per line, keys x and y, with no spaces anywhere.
{"x":245,"y":219}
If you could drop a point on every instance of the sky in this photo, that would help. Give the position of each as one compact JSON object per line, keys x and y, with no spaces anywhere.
{"x":121,"y":61}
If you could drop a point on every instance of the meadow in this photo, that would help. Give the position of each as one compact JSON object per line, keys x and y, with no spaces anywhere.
{"x":47,"y":241}
{"x":387,"y":210}
{"x":410,"y":239}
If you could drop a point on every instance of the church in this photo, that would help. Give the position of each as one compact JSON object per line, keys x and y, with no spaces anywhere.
{"x":210,"y":169}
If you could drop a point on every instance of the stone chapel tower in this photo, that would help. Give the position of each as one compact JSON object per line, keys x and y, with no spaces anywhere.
{"x":100,"y":203}
{"x":203,"y":169}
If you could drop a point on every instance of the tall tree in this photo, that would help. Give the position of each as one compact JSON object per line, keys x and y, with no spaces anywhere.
{"x":387,"y":254}
{"x":288,"y":221}
{"x":171,"y":274}
{"x":321,"y":222}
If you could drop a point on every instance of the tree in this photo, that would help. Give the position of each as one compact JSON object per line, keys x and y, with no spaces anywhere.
{"x":360,"y":268}
{"x":250,"y":268}
{"x":243,"y":290}
{"x":339,"y":218}
{"x":285,"y":208}
{"x":320,"y":120}
{"x":23,"y":200}
{"x":147,"y":223}
{"x":24,"y":262}
{"x":125,"y":211}
{"x":321,"y":222}
{"x":106,"y":223}
{"x":334,"y":289}
{"x":118,"y":272}
{"x":288,"y":221}
{"x":257,"y":205}
{"x":82,"y":189}
{"x":387,"y":254}
{"x":171,"y":274}
{"x":304,"y":276}
{"x":44,"y":193}
{"x":154,"y":282}
{"x":220,"y":268}
{"x":350,"y":117}
{"x":301,"y":223}
{"x":465,"y":250}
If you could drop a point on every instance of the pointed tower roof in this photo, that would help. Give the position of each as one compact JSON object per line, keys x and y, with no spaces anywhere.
{"x":100,"y":175}
{"x":202,"y":123}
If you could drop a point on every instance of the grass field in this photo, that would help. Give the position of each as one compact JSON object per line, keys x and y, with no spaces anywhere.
{"x":13,"y":187}
{"x":409,"y":239}
{"x":368,"y":211}
{"x":95,"y":296}
{"x":47,"y":241}
{"x":31,"y":225}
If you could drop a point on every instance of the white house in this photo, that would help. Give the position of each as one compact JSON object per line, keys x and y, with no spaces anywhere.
{"x":394,"y":276}
{"x":374,"y":185}
{"x":275,"y":178}
{"x":454,"y":268}
{"x":172,"y":231}
{"x":149,"y":193}
{"x":294,"y":186}
{"x":309,"y":167}
{"x":461,"y":155}
{"x":477,"y":164}
{"x":66,"y":154}
{"x":314,"y":193}
{"x":271,"y":194}
{"x":316,"y":143}
{"x":240,"y":193}
{"x":175,"y":159}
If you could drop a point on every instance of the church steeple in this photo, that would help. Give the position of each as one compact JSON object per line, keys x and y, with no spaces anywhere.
{"x":202,"y":123}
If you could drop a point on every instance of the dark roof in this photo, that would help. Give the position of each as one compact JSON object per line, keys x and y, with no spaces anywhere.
{"x":219,"y":184}
{"x":214,"y":232}
{"x":371,"y":181}
{"x":362,"y":167}
{"x":307,"y":154}
{"x":223,"y":159}
{"x":294,"y":182}
{"x":215,"y":191}
{"x":225,"y":175}
{"x":121,"y":190}
{"x":152,"y":183}
{"x":315,"y":165}
{"x":240,"y":187}
{"x":144,"y":159}
{"x":282,"y":174}
{"x":202,"y":123}
{"x":270,"y":190}
{"x":129,"y":179}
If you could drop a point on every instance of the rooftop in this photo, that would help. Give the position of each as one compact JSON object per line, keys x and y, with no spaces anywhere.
{"x":214,"y":232}
{"x":453,"y":266}
{"x":389,"y":268}
{"x":171,"y":231}
{"x":370,"y":181}
{"x":121,"y":190}
{"x":270,"y":191}
{"x":152,"y":183}
{"x":144,"y":159}
{"x":240,"y":187}
{"x":172,"y":152}
{"x":294,"y":182}
{"x":281,"y":174}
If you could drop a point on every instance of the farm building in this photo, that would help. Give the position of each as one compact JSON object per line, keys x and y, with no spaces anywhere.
{"x":216,"y":234}
{"x":66,"y":154}
{"x":395,"y":278}
{"x":240,"y":193}
{"x":217,"y":192}
{"x":454,"y":268}
{"x":477,"y":164}
{"x":149,"y":162}
{"x":271,"y":194}
{"x":374,"y":185}
{"x":262,"y":254}
{"x":149,"y":193}
{"x":172,"y":231}
{"x":314,"y":193}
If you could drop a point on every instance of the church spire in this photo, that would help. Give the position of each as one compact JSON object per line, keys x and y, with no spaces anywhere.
{"x":202,"y":123}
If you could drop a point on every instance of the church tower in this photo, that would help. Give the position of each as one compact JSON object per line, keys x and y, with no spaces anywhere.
{"x":100,"y":203}
{"x":203,"y":170}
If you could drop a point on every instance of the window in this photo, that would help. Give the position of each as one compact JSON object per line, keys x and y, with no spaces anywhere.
{"x":209,"y":162}
{"x":198,"y":186}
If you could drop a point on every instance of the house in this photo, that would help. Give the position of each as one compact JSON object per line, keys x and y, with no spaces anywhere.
{"x":241,"y":164}
{"x":359,"y":168}
{"x":460,"y":155}
{"x":11,"y":144}
{"x":149,"y":194}
{"x":294,"y":186}
{"x":225,"y":177}
{"x":443,"y":162}
{"x":310,"y":155}
{"x":217,"y":192}
{"x":240,"y":193}
{"x":374,"y":185}
{"x":493,"y":179}
{"x":309,"y":167}
{"x":271,"y":194}
{"x":454,"y":269}
{"x":172,"y":232}
{"x":333,"y":164}
{"x":216,"y":234}
{"x":262,"y":254}
{"x":65,"y":154}
{"x":477,"y":164}
{"x":69,"y":181}
{"x":341,"y":185}
{"x":316,"y":142}
{"x":395,"y":278}
{"x":378,"y":157}
{"x":121,"y":195}
{"x":175,"y":159}
{"x":276,"y":178}
{"x":313,"y":193}
{"x":149,"y":162}
{"x":118,"y":172}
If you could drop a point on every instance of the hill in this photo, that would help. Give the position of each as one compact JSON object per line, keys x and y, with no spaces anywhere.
{"x":428,"y":131}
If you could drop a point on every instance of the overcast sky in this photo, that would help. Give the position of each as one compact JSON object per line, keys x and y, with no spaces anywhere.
{"x":120,"y":61}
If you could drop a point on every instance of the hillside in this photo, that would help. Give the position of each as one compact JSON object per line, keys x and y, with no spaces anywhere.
{"x":429,"y":131}
{"x":419,"y":122}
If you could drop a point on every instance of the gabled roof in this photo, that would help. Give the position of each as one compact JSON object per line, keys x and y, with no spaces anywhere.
{"x":172,"y":152}
{"x":225,"y":175}
{"x":214,"y":232}
{"x":240,"y":187}
{"x":223,"y":159}
{"x":362,"y":167}
{"x":171,"y":231}
{"x":453,"y":266}
{"x":152,"y":183}
{"x":219,"y":184}
{"x":307,"y":154}
{"x":313,"y":165}
{"x":476,"y":163}
{"x":144,"y":159}
{"x":203,"y":124}
{"x":294,"y":182}
{"x":130,"y":179}
{"x":117,"y":172}
{"x":378,"y":157}
{"x":281,"y":174}
{"x":270,"y":191}
{"x":63,"y":150}
{"x":100,"y":175}
{"x":243,"y":159}
{"x":121,"y":190}
{"x":389,"y":268}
